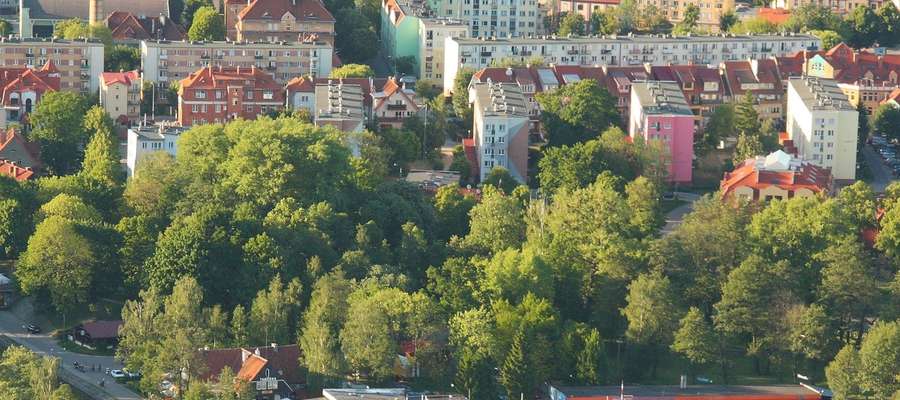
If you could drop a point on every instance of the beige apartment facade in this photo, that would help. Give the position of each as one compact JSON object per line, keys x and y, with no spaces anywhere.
{"x":80,"y":62}
{"x":710,"y":10}
{"x":120,"y":95}
{"x":165,"y":62}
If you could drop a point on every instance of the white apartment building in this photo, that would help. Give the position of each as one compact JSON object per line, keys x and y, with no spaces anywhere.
{"x":500,"y":128}
{"x":80,"y":62}
{"x":620,"y":50}
{"x":432,"y":34}
{"x":143,"y":140}
{"x":165,"y":62}
{"x":493,"y":18}
{"x":823,"y":125}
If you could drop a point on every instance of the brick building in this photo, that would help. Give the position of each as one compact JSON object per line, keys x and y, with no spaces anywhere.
{"x":126,"y":26}
{"x":79,"y":62}
{"x":219,"y":94}
{"x":22,"y":89}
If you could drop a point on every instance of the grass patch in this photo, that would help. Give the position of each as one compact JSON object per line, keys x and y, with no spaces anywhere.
{"x":73,"y":347}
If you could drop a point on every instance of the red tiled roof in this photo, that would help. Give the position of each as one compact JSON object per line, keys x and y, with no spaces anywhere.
{"x":102,"y":329}
{"x":282,"y":362}
{"x":120,"y":77}
{"x":737,"y":73}
{"x":125,"y":25}
{"x":808,"y":176}
{"x":302,"y":10}
{"x":11,"y":141}
{"x":10,"y":169}
{"x":218,"y":76}
{"x":776,"y":16}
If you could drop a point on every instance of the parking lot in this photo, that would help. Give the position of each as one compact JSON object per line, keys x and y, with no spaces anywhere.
{"x":884,"y":164}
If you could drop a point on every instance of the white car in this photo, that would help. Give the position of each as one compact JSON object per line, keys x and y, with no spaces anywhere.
{"x":117,"y":373}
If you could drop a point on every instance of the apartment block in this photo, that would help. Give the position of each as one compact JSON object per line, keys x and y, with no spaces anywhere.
{"x":219,"y":94}
{"x":710,"y":10}
{"x":493,"y":18}
{"x":408,"y":29}
{"x":823,"y":125}
{"x":278,"y":20}
{"x":760,"y":78}
{"x":500,"y":129}
{"x":585,"y":7}
{"x":300,"y":92}
{"x":340,"y":105}
{"x":143,"y":140}
{"x":79,"y":62}
{"x":659,"y":112}
{"x":632,"y":50}
{"x":166,"y":62}
{"x":120,"y":95}
{"x":840,"y":7}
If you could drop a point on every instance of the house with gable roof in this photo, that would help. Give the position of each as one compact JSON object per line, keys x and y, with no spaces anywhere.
{"x":274,"y":371}
{"x":394,"y":103}
{"x":126,"y":26}
{"x":23,"y":88}
{"x":278,"y":20}
{"x":778,"y":175}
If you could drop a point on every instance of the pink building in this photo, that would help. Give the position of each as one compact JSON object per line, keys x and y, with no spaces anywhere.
{"x":659,"y":111}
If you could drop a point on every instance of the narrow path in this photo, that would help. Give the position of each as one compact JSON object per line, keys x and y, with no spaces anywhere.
{"x":674,"y":217}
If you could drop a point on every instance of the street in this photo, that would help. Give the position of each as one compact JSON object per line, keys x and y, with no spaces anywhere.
{"x":881,"y":175}
{"x":674,"y":217}
{"x":88,"y":382}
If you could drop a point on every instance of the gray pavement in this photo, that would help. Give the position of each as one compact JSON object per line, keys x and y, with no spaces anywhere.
{"x":674,"y":217}
{"x":88,"y":382}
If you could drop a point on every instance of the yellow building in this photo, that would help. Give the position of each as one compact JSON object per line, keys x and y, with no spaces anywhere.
{"x":840,"y":7}
{"x":120,"y":95}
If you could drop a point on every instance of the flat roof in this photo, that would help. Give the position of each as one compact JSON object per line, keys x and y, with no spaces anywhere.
{"x":230,"y":44}
{"x":821,"y":93}
{"x":500,"y":99}
{"x":696,"y":391}
{"x":636,"y":39}
{"x":661,"y":97}
{"x":6,"y":40}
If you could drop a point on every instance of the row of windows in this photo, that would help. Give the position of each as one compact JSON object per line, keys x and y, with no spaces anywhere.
{"x":219,"y":94}
{"x":239,"y":53}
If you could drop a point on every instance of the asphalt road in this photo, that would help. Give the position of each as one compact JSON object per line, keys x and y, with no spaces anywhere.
{"x":881,"y":175}
{"x":88,"y":382}
{"x":674,"y":217}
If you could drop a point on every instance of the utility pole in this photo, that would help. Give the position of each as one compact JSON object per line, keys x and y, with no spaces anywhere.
{"x":425,"y":129}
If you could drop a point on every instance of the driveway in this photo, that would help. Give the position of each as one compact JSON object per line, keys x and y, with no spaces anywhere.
{"x":88,"y":382}
{"x":881,"y":175}
{"x":674,"y":217}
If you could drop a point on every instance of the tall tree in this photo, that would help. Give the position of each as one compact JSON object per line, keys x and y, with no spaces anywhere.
{"x":57,"y":122}
{"x":643,"y":196}
{"x":270,"y":311}
{"x":588,"y":365}
{"x":356,"y":36}
{"x":461,"y":95}
{"x":101,"y":157}
{"x":207,"y":24}
{"x":748,"y":146}
{"x":860,"y":28}
{"x":240,"y":332}
{"x":886,"y":118}
{"x":352,"y":71}
{"x":746,"y":118}
{"x":879,"y":358}
{"x":515,"y":374}
{"x":577,"y":112}
{"x":323,"y":320}
{"x":695,"y":339}
{"x":496,"y":223}
{"x":863,"y":128}
{"x":571,"y":24}
{"x":844,"y":374}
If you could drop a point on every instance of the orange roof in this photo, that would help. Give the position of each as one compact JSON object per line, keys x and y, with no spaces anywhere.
{"x":895,"y":96}
{"x":776,"y":16}
{"x":218,"y":76}
{"x":252,"y":367}
{"x":125,"y":78}
{"x":748,"y":174}
{"x":10,"y":169}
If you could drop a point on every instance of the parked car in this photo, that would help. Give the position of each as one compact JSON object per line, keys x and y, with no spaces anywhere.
{"x":32,"y":328}
{"x":132,"y":375}
{"x":117,"y":373}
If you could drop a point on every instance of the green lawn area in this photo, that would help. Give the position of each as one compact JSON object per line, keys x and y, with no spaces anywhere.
{"x":75,"y":348}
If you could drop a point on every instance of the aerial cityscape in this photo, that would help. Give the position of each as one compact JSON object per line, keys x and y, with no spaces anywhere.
{"x":450,"y":199}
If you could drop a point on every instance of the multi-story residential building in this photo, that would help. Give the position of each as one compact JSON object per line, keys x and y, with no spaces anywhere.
{"x":166,"y":62}
{"x":219,"y":94}
{"x":619,"y":50}
{"x":79,"y":62}
{"x":120,"y":95}
{"x":278,"y":20}
{"x":585,"y":7}
{"x":659,"y":112}
{"x":143,"y":140}
{"x":865,"y":77}
{"x":393,"y":104}
{"x":37,"y":17}
{"x":126,"y":26}
{"x":776,"y":176}
{"x":493,"y":18}
{"x":22,"y":89}
{"x":710,"y":10}
{"x":759,"y":77}
{"x":840,"y":7}
{"x":432,"y":34}
{"x":500,"y":129}
{"x":823,"y":125}
{"x":408,"y":29}
{"x":340,"y":105}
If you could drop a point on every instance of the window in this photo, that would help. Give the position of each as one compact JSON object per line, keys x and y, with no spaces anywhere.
{"x":200,"y":94}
